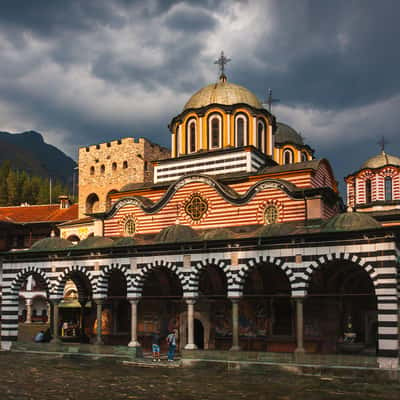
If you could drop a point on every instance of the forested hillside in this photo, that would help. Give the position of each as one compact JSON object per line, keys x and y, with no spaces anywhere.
{"x":18,"y":187}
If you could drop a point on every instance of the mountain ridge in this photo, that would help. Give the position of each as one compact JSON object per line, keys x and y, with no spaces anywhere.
{"x":29,"y":152}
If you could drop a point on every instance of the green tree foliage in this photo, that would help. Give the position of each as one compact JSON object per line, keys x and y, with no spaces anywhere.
{"x":18,"y":187}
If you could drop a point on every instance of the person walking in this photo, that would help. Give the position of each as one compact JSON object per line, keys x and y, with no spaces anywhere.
{"x":171,"y":340}
{"x":156,"y":347}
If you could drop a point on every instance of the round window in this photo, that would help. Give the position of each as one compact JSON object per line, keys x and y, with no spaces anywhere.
{"x":130,"y":226}
{"x":196,"y":207}
{"x":271,"y":214}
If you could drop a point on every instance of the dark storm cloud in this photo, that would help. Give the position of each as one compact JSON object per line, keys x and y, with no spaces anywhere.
{"x":190,"y":21}
{"x":150,"y":76}
{"x":44,"y":17}
{"x":330,"y":54}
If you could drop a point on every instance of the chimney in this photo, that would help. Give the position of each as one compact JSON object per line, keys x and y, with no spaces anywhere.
{"x":64,"y":201}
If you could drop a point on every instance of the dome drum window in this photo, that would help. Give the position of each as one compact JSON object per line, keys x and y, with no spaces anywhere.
{"x":215,"y":131}
{"x":388,"y":188}
{"x":241,"y":130}
{"x":368,"y":191}
{"x":271,"y":214}
{"x":196,"y":207}
{"x":287,"y":156}
{"x":261,"y":136}
{"x":191,"y":136}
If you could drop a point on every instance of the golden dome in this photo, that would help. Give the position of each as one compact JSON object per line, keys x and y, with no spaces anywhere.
{"x":381,"y":160}
{"x":222,"y":92}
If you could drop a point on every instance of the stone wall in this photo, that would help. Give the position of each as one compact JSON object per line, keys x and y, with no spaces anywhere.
{"x":107,"y":167}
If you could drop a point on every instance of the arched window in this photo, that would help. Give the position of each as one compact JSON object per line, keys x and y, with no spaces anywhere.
{"x":388,"y":188}
{"x":287,"y":156}
{"x":241,"y":131}
{"x":125,"y":165}
{"x":91,"y":170}
{"x":102,"y":169}
{"x":215,"y":130}
{"x":191,"y":136}
{"x":261,"y":137}
{"x":114,"y":166}
{"x":92,"y":203}
{"x":368,"y":196}
{"x":304,"y":156}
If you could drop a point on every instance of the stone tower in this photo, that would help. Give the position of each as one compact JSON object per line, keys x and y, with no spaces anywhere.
{"x":106,"y":167}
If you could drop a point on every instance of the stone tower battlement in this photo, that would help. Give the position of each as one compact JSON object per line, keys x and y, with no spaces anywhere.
{"x":105,"y":168}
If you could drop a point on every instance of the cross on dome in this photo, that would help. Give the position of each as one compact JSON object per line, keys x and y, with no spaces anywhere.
{"x":222,"y":61}
{"x":270,"y":100}
{"x":382,"y":143}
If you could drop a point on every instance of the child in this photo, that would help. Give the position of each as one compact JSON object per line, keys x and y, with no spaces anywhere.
{"x":156,"y":347}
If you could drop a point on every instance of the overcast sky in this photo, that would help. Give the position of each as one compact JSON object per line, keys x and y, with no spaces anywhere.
{"x":83,"y":72}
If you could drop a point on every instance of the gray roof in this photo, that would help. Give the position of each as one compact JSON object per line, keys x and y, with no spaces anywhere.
{"x":313,"y":164}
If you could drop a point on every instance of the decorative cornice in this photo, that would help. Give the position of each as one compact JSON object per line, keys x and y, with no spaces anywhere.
{"x":231,"y":196}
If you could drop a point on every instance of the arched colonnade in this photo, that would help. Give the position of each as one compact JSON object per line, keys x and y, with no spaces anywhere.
{"x":269,"y":287}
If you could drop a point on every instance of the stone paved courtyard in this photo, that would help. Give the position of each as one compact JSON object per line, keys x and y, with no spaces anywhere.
{"x":32,"y":377}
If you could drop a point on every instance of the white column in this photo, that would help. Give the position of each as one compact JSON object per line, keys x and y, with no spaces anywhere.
{"x":134,"y":342}
{"x":235,"y":325}
{"x":190,"y":323}
{"x":99,"y":304}
{"x":56,"y":337}
{"x":28,"y":303}
{"x":299,"y":326}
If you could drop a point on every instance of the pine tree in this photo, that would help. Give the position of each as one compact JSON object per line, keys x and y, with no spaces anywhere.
{"x":12,"y":188}
{"x":44,"y":193}
{"x":3,"y":192}
{"x":27,"y":193}
{"x":35,"y":183}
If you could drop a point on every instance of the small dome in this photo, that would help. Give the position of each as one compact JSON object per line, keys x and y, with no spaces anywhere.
{"x":225,"y":93}
{"x":94,"y":242}
{"x":350,"y":221}
{"x":218,"y":234}
{"x":286,"y":134}
{"x":278,"y":229}
{"x":124,"y":241}
{"x":51,"y":243}
{"x":380,"y":160}
{"x":177,"y":233}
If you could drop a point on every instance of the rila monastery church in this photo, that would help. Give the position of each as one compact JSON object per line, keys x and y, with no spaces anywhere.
{"x":237,"y":237}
